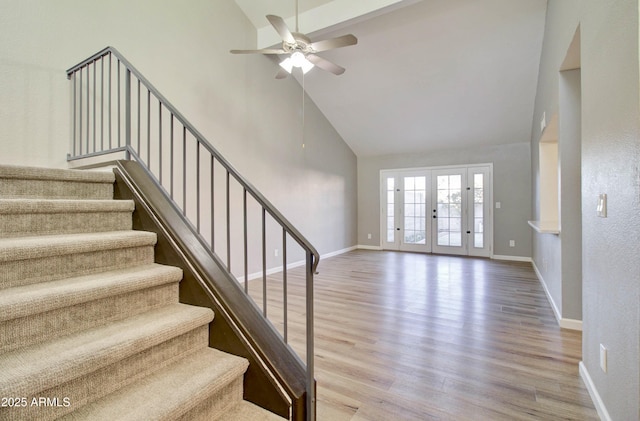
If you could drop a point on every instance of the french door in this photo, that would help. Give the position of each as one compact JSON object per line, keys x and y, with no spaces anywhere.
{"x":442,"y":210}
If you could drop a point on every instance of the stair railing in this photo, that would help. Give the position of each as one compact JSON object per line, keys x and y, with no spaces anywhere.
{"x":116,"y":110}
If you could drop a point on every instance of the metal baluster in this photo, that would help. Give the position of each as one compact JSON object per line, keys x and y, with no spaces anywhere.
{"x":75,"y":106}
{"x":213,"y":208}
{"x":102,"y":103}
{"x":228,"y":226}
{"x":246,"y":241}
{"x":171,"y":158}
{"x":119,"y":112}
{"x":95,"y":69}
{"x":110,"y":95}
{"x":184,"y":170}
{"x":198,"y":185}
{"x":148,"y":128}
{"x":88,"y":105}
{"x":127,"y":117}
{"x":264,"y":262}
{"x":80,"y":112}
{"x":311,"y":391}
{"x":139,"y":117}
{"x":159,"y":142}
{"x":284,"y":283}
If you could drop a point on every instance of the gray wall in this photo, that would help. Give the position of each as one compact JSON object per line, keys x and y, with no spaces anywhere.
{"x":557,"y":258}
{"x":610,"y":155}
{"x":183,"y":49}
{"x":569,"y":158}
{"x":511,"y":187}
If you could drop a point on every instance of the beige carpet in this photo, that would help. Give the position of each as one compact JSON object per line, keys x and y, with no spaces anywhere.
{"x":90,"y":327}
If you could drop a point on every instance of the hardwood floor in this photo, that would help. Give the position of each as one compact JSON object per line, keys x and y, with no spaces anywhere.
{"x":403,"y":336}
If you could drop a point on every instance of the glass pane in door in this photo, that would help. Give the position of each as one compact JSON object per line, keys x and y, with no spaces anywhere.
{"x":390,"y":188}
{"x":449,"y":221}
{"x":415,"y":210}
{"x":478,"y":210}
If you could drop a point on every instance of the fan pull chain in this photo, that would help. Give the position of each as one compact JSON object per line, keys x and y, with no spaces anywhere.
{"x":303,"y":101}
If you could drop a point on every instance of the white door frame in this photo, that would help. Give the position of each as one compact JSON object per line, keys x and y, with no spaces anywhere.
{"x":486,"y":238}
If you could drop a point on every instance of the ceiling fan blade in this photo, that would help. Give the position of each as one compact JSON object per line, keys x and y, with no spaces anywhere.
{"x":325,"y":64}
{"x":282,"y":74}
{"x":263,"y":51}
{"x":330,"y":44}
{"x":281,"y":28}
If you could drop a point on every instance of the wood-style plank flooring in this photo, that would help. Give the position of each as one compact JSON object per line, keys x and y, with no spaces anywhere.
{"x":404,"y":336}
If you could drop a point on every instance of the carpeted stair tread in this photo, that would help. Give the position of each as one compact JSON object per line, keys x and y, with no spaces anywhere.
{"x":27,"y":371}
{"x":33,"y":182}
{"x":41,"y":297}
{"x":171,"y":392}
{"x":22,"y":205}
{"x":246,"y":411}
{"x":30,"y":217}
{"x":52,"y":245}
{"x":39,"y":173}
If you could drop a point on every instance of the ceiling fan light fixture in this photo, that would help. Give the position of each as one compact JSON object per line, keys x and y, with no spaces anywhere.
{"x":287,"y":64}
{"x":306,"y":66}
{"x":297,"y":59}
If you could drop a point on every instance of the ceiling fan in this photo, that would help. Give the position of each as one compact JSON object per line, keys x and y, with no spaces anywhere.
{"x":300,"y":50}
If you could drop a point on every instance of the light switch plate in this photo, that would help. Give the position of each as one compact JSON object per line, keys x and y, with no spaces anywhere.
{"x":601,"y":209}
{"x":603,"y":358}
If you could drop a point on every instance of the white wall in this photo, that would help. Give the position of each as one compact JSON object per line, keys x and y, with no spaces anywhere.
{"x":183,"y":49}
{"x":610,"y":164}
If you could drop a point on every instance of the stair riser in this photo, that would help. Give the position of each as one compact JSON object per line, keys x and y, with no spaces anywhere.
{"x":94,"y":386}
{"x":217,"y":404}
{"x":54,"y":189}
{"x":16,"y":225}
{"x":44,"y":326}
{"x":26,"y":272}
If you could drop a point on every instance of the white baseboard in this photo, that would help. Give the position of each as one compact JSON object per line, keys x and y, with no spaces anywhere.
{"x":364,"y":247}
{"x":271,"y":271}
{"x":512,"y":258}
{"x":277,"y":269}
{"x":338,"y":252}
{"x":571,"y":324}
{"x":593,"y":392}
{"x":556,"y":312}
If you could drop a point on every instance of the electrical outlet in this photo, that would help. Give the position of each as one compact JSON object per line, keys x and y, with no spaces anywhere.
{"x":498,"y":205}
{"x":603,"y":358}
{"x":512,"y":243}
{"x":369,"y":236}
{"x":275,"y":253}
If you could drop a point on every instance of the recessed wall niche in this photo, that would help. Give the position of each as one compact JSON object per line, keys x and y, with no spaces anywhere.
{"x":549,"y":180}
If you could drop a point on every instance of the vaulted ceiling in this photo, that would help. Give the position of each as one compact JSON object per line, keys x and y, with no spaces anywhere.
{"x":425,"y":74}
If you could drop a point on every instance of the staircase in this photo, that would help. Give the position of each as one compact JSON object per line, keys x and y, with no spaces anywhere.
{"x":90,"y":327}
